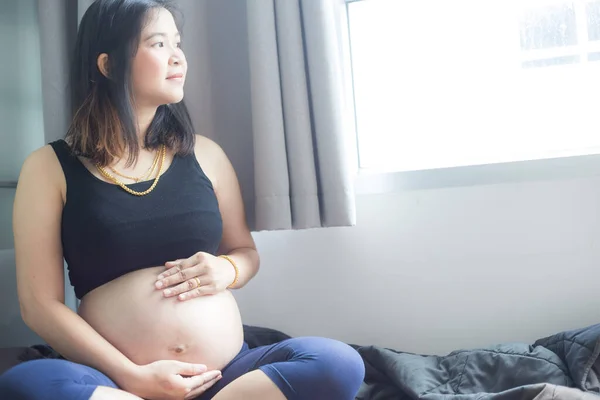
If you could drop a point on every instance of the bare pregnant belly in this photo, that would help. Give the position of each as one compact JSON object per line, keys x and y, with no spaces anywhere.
{"x":145,"y":326}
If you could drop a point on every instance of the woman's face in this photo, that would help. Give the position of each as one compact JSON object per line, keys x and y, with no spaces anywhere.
{"x":159,"y":67}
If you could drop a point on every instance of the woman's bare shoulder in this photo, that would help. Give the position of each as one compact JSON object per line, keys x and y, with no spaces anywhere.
{"x":207,"y":147}
{"x":210,"y":156}
{"x":42,"y":169}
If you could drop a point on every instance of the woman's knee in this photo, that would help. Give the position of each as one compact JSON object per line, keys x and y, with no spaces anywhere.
{"x":46,"y":379}
{"x":339,"y":366}
{"x":342,"y":359}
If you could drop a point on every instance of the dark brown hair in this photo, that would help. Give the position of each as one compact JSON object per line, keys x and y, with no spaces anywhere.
{"x":104,"y":120}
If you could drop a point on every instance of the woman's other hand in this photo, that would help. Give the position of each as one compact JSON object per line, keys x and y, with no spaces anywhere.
{"x":171,"y":380}
{"x":200,"y":275}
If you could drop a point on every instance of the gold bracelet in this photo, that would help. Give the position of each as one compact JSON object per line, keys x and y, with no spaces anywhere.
{"x":237,"y":271}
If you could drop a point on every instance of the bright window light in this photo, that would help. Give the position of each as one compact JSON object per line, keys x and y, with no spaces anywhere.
{"x":446,"y":83}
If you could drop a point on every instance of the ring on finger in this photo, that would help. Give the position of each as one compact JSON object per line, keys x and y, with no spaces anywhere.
{"x":197,"y":281}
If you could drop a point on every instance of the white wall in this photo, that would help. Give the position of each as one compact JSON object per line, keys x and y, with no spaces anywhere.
{"x":435,"y":270}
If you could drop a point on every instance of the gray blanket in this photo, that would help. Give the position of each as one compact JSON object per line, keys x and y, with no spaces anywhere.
{"x":565,"y":366}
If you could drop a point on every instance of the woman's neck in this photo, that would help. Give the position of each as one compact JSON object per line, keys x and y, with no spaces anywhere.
{"x":144,"y":118}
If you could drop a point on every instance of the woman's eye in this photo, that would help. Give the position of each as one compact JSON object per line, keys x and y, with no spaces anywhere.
{"x":158,"y":44}
{"x":179,"y":44}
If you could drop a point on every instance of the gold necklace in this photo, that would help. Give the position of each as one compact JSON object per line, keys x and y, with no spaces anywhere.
{"x":111,"y":177}
{"x":146,"y":174}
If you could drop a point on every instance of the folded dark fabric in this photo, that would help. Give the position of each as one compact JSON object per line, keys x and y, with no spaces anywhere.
{"x":257,"y":336}
{"x":509,"y":371}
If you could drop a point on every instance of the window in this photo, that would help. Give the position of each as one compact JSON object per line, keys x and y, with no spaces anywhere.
{"x":442,"y":83}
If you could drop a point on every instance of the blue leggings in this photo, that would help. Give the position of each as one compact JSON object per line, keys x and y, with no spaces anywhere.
{"x":302,"y":368}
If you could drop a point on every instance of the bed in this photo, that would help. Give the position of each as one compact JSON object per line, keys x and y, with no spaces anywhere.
{"x":562,"y":366}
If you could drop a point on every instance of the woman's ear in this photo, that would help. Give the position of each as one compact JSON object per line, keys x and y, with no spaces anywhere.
{"x":103,"y":64}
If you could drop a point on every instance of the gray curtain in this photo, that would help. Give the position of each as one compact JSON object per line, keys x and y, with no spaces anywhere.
{"x":301,"y":157}
{"x":267,"y":82}
{"x":58,"y":21}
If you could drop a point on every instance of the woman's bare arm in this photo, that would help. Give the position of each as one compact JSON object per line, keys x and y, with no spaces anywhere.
{"x":37,"y":215}
{"x":237,"y":241}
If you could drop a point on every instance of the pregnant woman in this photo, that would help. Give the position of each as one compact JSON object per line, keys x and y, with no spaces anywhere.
{"x":149,"y":217}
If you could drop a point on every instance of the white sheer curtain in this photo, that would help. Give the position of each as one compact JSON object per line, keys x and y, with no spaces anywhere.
{"x":21,"y":132}
{"x":21,"y":119}
{"x":23,"y":127}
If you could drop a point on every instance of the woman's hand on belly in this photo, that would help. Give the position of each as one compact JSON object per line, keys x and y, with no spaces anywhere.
{"x":169,"y":379}
{"x":146,"y":327}
{"x":200,"y":275}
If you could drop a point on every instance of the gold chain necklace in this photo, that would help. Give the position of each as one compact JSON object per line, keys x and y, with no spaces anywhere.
{"x":111,"y":177}
{"x":145,"y":176}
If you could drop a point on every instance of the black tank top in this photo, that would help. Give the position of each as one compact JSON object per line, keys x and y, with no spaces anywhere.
{"x":107,"y":232}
